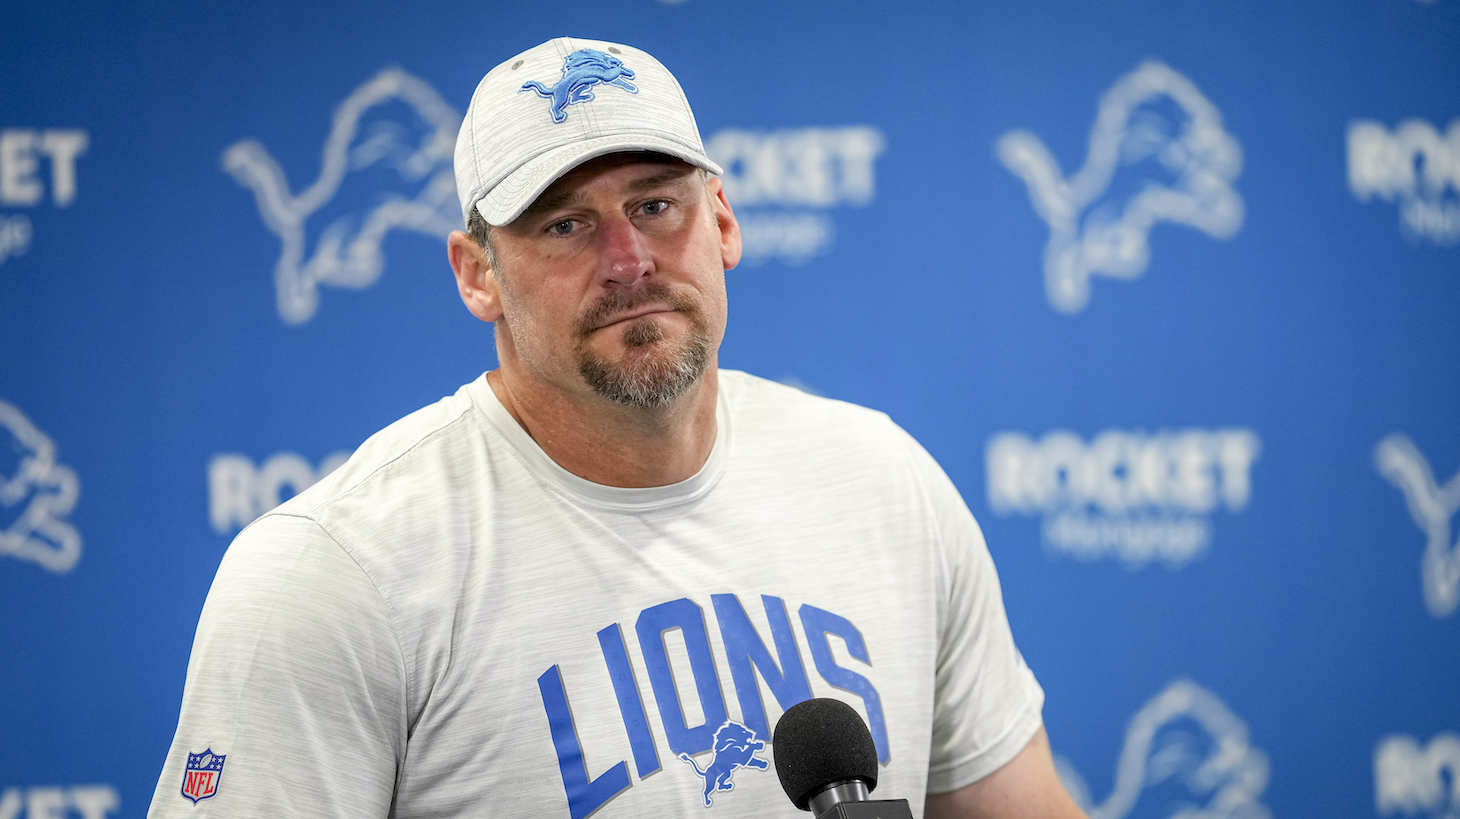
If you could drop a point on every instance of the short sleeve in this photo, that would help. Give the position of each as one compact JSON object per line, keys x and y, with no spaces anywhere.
{"x":986,"y":701}
{"x":295,"y":687}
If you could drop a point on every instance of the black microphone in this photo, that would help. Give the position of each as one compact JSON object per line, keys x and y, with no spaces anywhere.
{"x":827,"y":762}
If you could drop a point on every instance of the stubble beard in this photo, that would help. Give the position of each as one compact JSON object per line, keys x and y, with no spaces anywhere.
{"x":652,"y":372}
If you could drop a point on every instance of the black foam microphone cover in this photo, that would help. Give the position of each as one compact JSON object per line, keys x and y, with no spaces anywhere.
{"x":820,"y":742}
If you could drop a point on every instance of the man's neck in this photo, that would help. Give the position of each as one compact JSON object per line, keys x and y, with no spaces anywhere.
{"x":615,"y":445}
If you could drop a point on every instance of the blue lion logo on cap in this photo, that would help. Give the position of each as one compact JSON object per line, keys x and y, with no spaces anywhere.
{"x":582,"y":70}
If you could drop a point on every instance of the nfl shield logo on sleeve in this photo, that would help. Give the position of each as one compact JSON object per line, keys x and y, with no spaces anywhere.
{"x":200,"y":779}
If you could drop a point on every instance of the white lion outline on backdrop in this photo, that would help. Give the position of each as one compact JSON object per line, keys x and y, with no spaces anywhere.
{"x":38,"y":533}
{"x":1092,"y":234}
{"x":1227,"y":777}
{"x":1411,"y":780}
{"x":340,"y":258}
{"x":1433,"y":507}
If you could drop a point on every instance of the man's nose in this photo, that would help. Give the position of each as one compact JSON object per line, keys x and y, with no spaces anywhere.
{"x":626,"y":257}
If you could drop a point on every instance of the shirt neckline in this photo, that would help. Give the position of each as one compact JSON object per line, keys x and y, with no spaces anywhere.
{"x":618,"y":498}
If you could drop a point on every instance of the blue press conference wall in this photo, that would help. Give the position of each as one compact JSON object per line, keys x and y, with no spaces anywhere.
{"x":1170,"y":289}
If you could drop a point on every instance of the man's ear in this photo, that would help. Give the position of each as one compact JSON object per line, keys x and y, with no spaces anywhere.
{"x":479,"y":289}
{"x":725,"y":218}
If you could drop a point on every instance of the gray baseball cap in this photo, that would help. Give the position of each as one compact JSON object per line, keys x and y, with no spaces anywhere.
{"x":553,"y":107}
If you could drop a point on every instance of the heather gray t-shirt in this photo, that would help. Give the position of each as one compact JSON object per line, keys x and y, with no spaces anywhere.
{"x":452,"y":625}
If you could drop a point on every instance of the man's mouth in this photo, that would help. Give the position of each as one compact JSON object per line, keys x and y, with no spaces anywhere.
{"x":617,"y":308}
{"x":635,"y":314}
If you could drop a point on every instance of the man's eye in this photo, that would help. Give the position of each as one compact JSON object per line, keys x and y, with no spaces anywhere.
{"x":655,"y":207}
{"x":561,"y":228}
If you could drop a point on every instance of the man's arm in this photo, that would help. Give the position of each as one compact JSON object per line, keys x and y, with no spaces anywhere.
{"x":296,"y":680}
{"x":1026,"y":788}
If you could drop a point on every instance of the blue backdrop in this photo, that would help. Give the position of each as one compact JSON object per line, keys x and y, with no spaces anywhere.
{"x":1169,"y":288}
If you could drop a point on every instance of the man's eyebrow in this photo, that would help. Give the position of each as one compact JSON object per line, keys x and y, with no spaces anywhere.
{"x":543,"y":204}
{"x":651,"y":182}
{"x":548,"y":203}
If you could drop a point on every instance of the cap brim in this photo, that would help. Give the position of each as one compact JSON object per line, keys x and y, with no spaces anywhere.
{"x":521,"y":188}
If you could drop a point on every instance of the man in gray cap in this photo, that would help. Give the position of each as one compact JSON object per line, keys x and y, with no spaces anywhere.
{"x":590,"y":581}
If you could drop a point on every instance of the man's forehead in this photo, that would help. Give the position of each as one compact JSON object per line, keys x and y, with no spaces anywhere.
{"x":655,"y":167}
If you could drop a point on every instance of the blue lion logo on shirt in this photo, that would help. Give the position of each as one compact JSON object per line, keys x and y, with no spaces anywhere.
{"x":582,"y":70}
{"x":735,"y":747}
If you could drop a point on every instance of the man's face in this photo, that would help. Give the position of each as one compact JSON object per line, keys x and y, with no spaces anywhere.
{"x":613,"y":280}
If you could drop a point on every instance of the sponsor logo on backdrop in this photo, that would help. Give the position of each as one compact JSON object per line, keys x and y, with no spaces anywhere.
{"x":1433,"y":508}
{"x":36,"y":167}
{"x":86,"y":801}
{"x":239,"y":491}
{"x":1133,"y":496}
{"x":1158,"y":153}
{"x":15,"y":235}
{"x":1414,"y":166}
{"x":1186,"y":755}
{"x":1415,"y":780}
{"x":396,"y":125}
{"x":786,"y":185}
{"x":36,"y":495}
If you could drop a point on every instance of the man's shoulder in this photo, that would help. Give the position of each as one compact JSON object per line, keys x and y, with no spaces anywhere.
{"x":747,"y":392}
{"x":791,"y":403}
{"x":415,"y":443}
{"x":787,"y":417}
